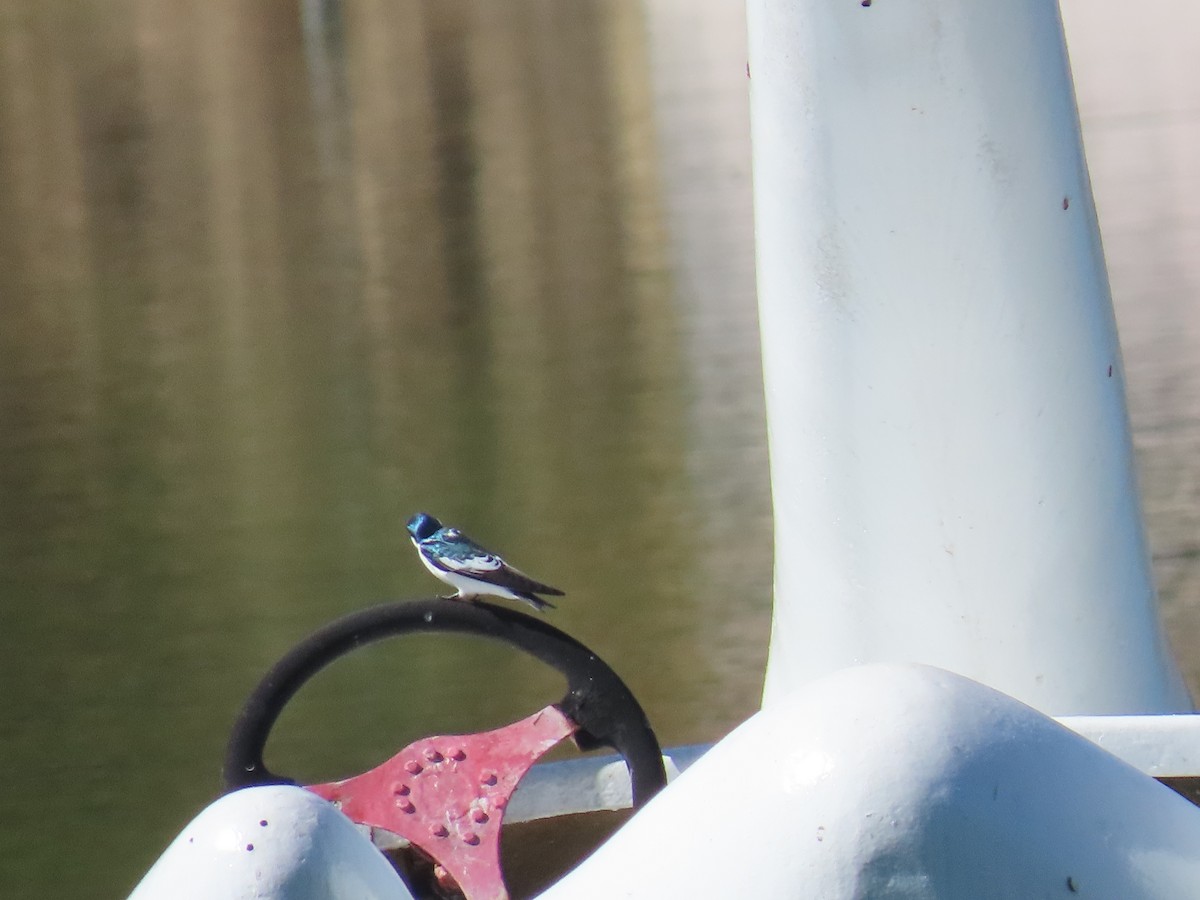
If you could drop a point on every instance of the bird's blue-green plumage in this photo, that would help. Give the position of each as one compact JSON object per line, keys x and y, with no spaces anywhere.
{"x":471,"y":568}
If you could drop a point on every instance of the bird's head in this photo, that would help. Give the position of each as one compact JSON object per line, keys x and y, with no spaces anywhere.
{"x":422,"y":525}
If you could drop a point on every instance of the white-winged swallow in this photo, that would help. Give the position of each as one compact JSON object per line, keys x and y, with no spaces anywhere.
{"x":469,"y":568}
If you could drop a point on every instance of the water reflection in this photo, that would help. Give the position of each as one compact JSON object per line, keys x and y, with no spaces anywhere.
{"x":276,"y":276}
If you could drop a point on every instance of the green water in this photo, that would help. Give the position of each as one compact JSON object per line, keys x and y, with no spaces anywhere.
{"x":271,"y":284}
{"x":273,"y":276}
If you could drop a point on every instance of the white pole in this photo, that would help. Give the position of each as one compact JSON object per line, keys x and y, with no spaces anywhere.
{"x":952,"y":471}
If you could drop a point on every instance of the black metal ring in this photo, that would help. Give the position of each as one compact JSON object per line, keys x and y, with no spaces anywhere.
{"x":596,"y":699}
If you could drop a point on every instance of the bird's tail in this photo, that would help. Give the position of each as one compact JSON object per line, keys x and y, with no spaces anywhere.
{"x":536,"y":602}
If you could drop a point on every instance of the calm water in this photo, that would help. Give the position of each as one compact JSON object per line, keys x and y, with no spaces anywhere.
{"x":275,"y":275}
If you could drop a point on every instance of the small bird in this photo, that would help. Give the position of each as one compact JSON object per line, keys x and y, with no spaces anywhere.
{"x":463,"y":564}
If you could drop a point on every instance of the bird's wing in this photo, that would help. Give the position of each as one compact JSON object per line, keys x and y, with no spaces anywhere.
{"x":482,"y":565}
{"x":452,"y":551}
{"x":455,"y":552}
{"x":520,"y":583}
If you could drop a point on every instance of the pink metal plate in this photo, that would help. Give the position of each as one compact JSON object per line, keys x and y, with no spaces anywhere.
{"x":447,"y":795}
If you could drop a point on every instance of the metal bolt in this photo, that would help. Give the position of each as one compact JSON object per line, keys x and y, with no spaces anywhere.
{"x":433,"y":755}
{"x":489,"y":778}
{"x":400,"y":789}
{"x":412,"y":767}
{"x":479,"y":815}
{"x":406,"y":806}
{"x":458,"y":754}
{"x":470,"y":837}
{"x":439,"y":831}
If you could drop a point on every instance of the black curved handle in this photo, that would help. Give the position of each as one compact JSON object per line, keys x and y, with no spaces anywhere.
{"x":596,"y":699}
